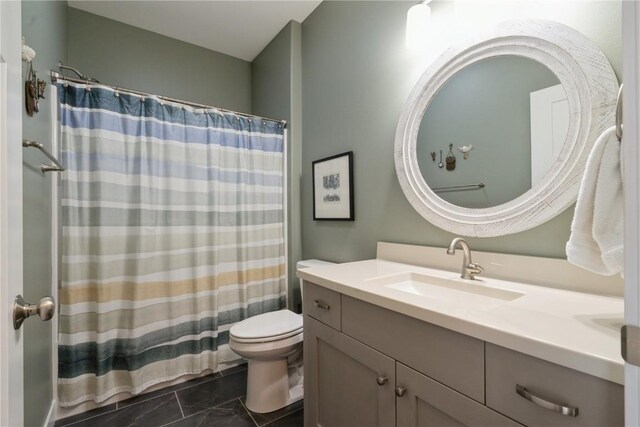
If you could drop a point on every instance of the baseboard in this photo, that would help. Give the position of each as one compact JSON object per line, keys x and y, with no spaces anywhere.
{"x":51,"y":416}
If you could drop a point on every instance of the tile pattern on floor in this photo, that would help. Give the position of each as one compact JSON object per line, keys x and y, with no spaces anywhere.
{"x":216,"y":400}
{"x":266,"y":419}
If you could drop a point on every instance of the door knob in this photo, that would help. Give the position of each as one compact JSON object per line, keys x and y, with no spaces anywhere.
{"x":22,"y":310}
{"x":382,"y":380}
{"x":400,"y":391}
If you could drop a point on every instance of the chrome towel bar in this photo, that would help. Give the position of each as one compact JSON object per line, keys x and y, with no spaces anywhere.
{"x":45,"y":168}
{"x":465,"y":187}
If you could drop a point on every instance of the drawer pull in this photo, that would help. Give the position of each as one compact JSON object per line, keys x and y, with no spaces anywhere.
{"x":564,"y":409}
{"x":321,"y":305}
{"x":400,"y":391}
{"x":382,"y":380}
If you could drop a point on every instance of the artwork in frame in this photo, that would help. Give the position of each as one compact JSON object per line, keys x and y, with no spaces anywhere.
{"x":333,"y":188}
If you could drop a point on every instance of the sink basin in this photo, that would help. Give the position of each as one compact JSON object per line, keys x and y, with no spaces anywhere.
{"x":472,"y":294}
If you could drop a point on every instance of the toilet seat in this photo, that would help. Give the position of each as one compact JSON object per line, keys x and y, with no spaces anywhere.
{"x":270,"y":350}
{"x":267,"y":327}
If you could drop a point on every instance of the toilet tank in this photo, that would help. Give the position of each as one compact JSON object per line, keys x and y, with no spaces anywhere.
{"x":308,"y":263}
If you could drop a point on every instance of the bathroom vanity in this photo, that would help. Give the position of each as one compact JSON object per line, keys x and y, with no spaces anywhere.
{"x":403,"y":339}
{"x":389,"y":343}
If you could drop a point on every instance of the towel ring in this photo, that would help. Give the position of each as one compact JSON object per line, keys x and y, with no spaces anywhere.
{"x":619,"y":115}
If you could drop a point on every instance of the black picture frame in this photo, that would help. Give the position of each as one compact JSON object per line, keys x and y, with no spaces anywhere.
{"x":333,"y":199}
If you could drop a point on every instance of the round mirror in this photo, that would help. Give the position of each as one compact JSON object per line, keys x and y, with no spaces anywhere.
{"x":515,"y":114}
{"x":510,"y":112}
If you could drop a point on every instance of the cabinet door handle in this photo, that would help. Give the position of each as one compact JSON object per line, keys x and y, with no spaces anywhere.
{"x":321,"y":305}
{"x":382,"y":380}
{"x":400,"y":391}
{"x":562,"y":408}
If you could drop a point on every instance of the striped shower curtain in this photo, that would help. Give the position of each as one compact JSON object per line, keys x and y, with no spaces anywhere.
{"x":172,"y":230}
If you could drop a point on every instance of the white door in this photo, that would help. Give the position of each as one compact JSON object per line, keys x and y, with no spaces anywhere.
{"x":631,"y":153}
{"x":11,"y":363}
{"x":549,"y":126}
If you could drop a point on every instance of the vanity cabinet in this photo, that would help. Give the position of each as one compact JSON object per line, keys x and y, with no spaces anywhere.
{"x":349,"y":384}
{"x":369,"y":366}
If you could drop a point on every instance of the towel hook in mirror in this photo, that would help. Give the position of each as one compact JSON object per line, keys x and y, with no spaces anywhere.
{"x":619,"y":115}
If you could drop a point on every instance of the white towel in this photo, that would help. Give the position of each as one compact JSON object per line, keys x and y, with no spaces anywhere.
{"x":597,"y":231}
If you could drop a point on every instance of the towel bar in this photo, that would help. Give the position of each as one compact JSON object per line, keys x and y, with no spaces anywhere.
{"x":459,"y":187}
{"x":45,"y":168}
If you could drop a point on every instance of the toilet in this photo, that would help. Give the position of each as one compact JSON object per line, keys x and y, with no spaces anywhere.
{"x":272,"y":344}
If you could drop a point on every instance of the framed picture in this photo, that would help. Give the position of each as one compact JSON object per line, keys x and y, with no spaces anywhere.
{"x":333,"y":188}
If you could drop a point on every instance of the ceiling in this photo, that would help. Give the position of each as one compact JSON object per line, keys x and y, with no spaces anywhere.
{"x":240,"y":28}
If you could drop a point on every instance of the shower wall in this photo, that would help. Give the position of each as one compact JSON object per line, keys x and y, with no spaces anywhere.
{"x":123,"y":55}
{"x":44,"y":27}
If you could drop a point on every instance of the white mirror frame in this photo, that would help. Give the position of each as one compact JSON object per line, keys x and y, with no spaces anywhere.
{"x":591,"y":88}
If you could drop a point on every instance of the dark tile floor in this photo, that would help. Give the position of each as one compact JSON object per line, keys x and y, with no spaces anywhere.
{"x":211,"y":401}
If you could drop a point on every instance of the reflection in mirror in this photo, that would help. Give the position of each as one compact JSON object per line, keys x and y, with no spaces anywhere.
{"x":510,"y":114}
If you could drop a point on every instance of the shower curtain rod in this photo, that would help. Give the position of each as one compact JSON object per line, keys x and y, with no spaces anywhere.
{"x":55,"y":76}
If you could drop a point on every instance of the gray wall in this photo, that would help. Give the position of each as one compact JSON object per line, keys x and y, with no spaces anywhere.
{"x":357,"y":75}
{"x":130,"y":57}
{"x":276,"y":93}
{"x":44,"y":27}
{"x":487,"y":105}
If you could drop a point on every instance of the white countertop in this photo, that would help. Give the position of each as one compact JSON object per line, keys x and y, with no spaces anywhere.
{"x":573,"y":329}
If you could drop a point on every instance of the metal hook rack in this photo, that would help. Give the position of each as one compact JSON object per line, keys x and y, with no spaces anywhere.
{"x":56,"y":167}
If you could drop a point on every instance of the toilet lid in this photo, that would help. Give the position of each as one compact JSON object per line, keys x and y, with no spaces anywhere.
{"x":267,"y":325}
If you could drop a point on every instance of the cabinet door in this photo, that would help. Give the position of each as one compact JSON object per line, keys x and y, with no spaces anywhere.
{"x":426,"y":402}
{"x":346,"y":383}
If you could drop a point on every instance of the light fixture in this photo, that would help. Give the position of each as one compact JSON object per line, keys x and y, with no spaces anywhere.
{"x":417,"y":25}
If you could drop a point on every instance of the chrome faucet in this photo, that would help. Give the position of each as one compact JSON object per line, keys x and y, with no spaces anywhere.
{"x":469,"y":269}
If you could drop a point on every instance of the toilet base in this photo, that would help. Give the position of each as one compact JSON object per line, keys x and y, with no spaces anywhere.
{"x":268,"y":387}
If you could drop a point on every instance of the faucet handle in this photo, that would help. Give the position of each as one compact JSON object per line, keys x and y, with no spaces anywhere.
{"x":475,"y":269}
